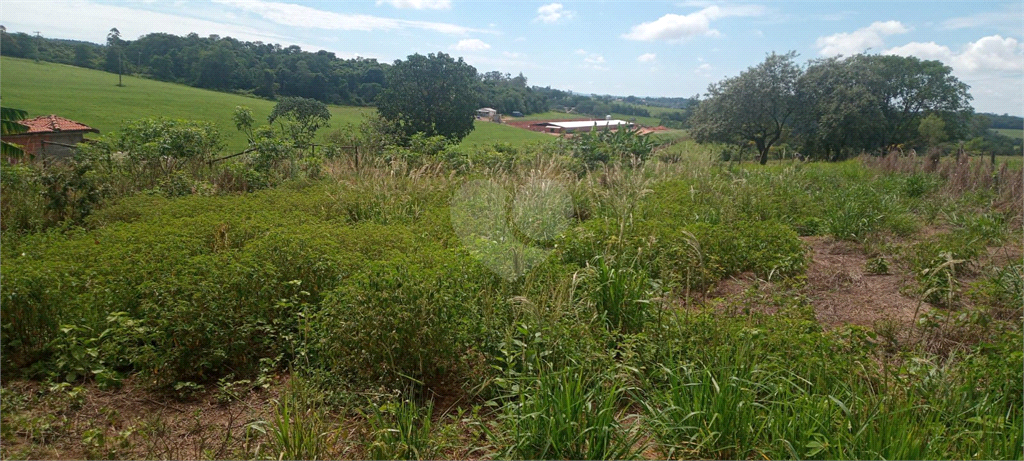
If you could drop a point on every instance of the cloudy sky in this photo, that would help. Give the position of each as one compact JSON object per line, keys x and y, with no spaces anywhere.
{"x":619,"y":48}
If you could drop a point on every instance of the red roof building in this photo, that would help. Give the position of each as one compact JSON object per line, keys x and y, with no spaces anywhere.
{"x":50,"y":136}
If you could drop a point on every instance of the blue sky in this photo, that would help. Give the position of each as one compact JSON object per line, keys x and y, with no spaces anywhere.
{"x":620,"y":48}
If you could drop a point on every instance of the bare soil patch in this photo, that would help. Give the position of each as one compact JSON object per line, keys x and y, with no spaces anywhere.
{"x":844,"y":293}
{"x":838,"y":286}
{"x":132,"y":423}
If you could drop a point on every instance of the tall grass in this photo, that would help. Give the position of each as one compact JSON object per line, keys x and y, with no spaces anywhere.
{"x":568,"y":414}
{"x":741,"y":406}
{"x":970,"y":174}
{"x":401,"y":430}
{"x":299,"y":428}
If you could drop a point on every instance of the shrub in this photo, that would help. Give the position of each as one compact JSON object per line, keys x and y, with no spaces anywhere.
{"x":155,"y":148}
{"x":400,"y":323}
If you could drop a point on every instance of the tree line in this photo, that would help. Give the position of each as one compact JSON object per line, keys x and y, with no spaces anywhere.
{"x":272,"y":71}
{"x":836,"y":108}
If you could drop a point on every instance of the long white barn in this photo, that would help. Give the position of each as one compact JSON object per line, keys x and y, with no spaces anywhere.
{"x":583,"y":125}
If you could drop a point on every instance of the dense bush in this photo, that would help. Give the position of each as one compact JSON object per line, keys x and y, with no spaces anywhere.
{"x":213,"y":292}
{"x":402,"y":323}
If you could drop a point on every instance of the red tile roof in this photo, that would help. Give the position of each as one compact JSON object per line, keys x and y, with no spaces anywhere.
{"x":53,"y":123}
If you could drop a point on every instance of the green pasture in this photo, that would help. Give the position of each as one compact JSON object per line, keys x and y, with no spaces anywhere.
{"x":1010,"y":133}
{"x":93,"y":98}
{"x":487,"y":133}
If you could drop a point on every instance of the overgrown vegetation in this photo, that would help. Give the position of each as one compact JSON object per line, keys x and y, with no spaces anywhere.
{"x":385,"y":293}
{"x":399,"y":341}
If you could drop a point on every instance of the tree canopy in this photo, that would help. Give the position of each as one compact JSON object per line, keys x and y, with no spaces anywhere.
{"x":874,"y":102}
{"x":433,"y":94}
{"x":836,"y":107}
{"x":755,"y":106}
{"x":300,"y":118}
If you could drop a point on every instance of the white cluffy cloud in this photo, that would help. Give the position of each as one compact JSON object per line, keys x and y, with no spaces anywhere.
{"x":552,"y":13}
{"x":591,"y":60}
{"x":993,"y":66}
{"x":860,"y":40}
{"x":418,"y":4}
{"x":290,"y":14}
{"x":647,"y":57}
{"x":470,"y":44}
{"x":992,"y":53}
{"x":671,"y":27}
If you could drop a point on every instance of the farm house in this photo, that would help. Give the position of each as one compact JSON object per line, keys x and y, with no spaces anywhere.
{"x":581,"y":126}
{"x":486,"y":112}
{"x":50,"y":137}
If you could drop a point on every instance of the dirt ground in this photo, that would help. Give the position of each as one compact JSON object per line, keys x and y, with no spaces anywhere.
{"x":842,"y":290}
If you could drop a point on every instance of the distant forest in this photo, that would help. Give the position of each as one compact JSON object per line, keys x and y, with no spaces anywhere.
{"x":270,"y":70}
{"x":1009,"y":122}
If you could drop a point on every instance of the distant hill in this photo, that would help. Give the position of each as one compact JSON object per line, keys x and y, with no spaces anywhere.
{"x":1008,"y":122}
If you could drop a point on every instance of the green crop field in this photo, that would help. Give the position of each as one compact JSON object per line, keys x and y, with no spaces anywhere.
{"x":1015,"y":134}
{"x":376,"y":312}
{"x":93,"y":98}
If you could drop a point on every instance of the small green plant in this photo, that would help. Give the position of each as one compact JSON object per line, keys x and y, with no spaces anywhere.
{"x":299,"y":429}
{"x":401,"y":430}
{"x":939,"y":283}
{"x":568,"y":414}
{"x":877,"y":266}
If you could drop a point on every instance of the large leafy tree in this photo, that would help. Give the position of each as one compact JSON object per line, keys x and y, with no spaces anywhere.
{"x":873,"y":102}
{"x":755,"y":106}
{"x":840,"y":115}
{"x":433,"y":95}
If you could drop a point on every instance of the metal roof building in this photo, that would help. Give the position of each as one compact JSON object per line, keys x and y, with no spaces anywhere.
{"x":584,"y":125}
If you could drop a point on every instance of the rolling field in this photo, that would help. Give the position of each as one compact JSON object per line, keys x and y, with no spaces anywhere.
{"x":93,"y":97}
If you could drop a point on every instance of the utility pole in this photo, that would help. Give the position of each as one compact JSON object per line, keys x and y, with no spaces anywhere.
{"x":38,"y":39}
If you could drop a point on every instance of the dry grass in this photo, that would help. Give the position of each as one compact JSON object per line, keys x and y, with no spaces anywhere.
{"x":963,"y":174}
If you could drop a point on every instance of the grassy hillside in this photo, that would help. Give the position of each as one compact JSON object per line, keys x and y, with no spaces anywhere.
{"x":93,"y":97}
